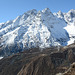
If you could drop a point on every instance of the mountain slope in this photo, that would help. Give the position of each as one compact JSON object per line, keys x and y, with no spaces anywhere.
{"x":33,"y":62}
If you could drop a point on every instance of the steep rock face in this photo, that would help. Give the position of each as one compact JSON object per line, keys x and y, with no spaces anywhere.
{"x":32,"y":29}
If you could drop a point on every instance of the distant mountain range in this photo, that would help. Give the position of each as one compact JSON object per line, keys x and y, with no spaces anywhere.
{"x":34,"y":28}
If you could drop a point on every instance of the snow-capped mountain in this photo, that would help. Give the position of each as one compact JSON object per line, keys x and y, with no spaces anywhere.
{"x":70,"y":20}
{"x":36,"y":29}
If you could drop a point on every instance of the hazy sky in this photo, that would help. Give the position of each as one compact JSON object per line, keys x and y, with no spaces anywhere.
{"x":10,"y":9}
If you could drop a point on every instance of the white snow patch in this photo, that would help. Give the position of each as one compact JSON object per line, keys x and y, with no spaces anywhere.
{"x":1,"y":58}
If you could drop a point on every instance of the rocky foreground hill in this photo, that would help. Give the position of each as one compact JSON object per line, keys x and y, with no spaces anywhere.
{"x":50,"y":61}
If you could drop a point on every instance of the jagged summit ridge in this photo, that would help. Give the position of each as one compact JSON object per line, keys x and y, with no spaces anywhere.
{"x":33,"y":29}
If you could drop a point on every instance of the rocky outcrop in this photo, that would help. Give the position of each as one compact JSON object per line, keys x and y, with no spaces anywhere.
{"x":70,"y":71}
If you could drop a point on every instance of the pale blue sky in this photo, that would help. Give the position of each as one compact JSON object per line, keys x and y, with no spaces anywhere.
{"x":10,"y":9}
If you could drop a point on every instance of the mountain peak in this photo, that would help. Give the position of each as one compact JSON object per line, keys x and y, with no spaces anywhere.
{"x":59,"y":12}
{"x":72,"y":10}
{"x":46,"y":10}
{"x":71,"y":13}
{"x":30,"y":12}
